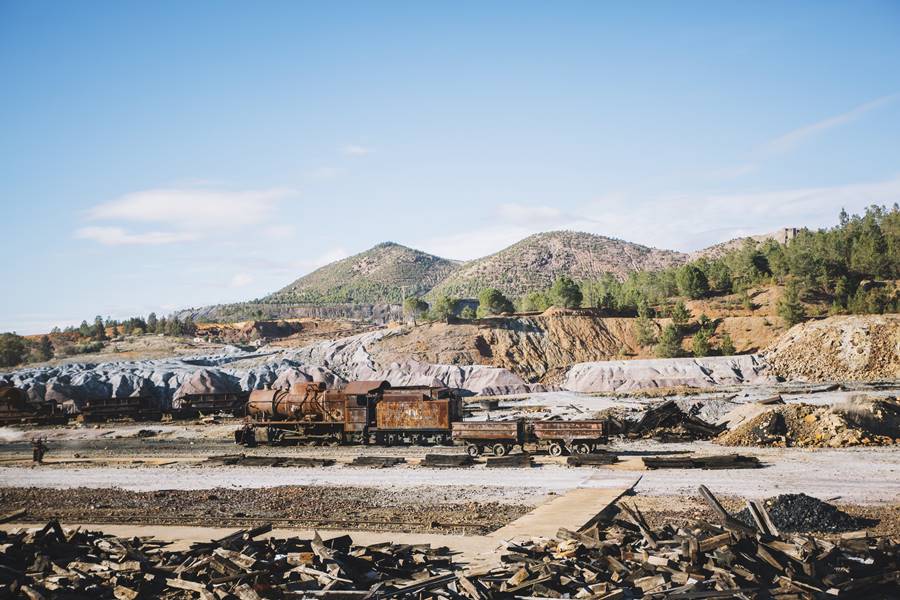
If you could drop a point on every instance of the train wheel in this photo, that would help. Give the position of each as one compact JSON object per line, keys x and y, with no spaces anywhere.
{"x":473,"y":450}
{"x":499,"y":450}
{"x":556,"y":449}
{"x":582,"y":449}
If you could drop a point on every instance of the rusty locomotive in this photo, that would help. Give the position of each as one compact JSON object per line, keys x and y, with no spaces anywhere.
{"x":364,"y":412}
{"x":374,"y":412}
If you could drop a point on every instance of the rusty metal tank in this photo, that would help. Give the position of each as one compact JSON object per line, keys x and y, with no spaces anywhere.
{"x":306,"y":401}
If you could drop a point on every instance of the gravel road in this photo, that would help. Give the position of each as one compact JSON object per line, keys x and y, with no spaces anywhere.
{"x":862,"y":475}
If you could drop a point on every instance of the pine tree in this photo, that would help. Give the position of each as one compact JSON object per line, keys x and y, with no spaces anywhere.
{"x":692,"y":281}
{"x":726,"y":346}
{"x":491,"y":301}
{"x":669,"y":345}
{"x":189,"y":328}
{"x":99,"y":329}
{"x":152,"y":323}
{"x":680,"y":316}
{"x":700,"y":343}
{"x":45,"y":348}
{"x":565,"y":293}
{"x":789,"y":307}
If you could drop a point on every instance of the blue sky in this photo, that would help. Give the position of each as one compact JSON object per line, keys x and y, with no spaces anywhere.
{"x":169,"y":154}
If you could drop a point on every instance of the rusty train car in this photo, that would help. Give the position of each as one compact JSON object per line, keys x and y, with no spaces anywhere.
{"x":15,"y":409}
{"x":557,"y":437}
{"x":364,"y":412}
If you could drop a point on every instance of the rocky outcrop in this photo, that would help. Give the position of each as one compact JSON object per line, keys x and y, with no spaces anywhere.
{"x":537,"y":348}
{"x":624,"y":375}
{"x":352,"y":359}
{"x":206,"y":381}
{"x":840,"y":348}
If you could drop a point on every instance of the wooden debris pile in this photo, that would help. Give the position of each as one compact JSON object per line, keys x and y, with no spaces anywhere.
{"x":668,"y":423}
{"x":624,"y":558}
{"x":85,"y":564}
{"x":723,"y":461}
{"x":510,"y":460}
{"x":447,"y":460}
{"x":244,"y":460}
{"x":594,"y":458}
{"x":377,"y":462}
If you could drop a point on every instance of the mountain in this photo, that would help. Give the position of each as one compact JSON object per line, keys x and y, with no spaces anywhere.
{"x":382,"y":274}
{"x":782,"y":236}
{"x":533,"y":263}
{"x":363,"y":285}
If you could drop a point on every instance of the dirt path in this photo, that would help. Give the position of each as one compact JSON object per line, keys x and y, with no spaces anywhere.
{"x":863,"y":475}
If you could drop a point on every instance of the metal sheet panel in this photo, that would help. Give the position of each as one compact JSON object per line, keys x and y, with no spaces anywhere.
{"x":569,"y":429}
{"x":487,"y":430}
{"x":413,"y":414}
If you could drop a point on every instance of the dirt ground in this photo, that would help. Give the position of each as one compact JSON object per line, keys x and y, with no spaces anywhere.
{"x":326,"y":507}
{"x":153,"y":474}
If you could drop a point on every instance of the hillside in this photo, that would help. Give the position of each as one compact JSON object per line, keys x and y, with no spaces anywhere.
{"x":379,"y":275}
{"x":782,"y":236}
{"x":533,"y":263}
{"x":854,"y":348}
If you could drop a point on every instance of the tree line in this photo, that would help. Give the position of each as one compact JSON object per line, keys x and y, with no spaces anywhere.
{"x":87,"y":338}
{"x":852,"y":266}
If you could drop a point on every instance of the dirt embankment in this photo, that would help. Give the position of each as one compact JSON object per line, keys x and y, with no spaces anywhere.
{"x":540,"y":347}
{"x":282,"y":332}
{"x":842,"y":348}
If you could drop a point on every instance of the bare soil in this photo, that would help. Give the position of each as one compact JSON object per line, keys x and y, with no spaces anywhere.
{"x":325,"y":507}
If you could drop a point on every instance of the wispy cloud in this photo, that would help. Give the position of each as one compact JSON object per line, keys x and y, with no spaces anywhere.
{"x":733,"y":172}
{"x":791,"y":139}
{"x":528,"y":214}
{"x":241,"y":280}
{"x":116,"y":236}
{"x":187,"y":214}
{"x":191,"y":208}
{"x":684,"y":222}
{"x":323,"y":173}
{"x":356,"y":150}
{"x":534,"y":215}
{"x":329,"y":256}
{"x":689,"y":222}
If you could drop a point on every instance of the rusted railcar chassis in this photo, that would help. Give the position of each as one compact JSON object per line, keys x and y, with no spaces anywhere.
{"x":332,"y":434}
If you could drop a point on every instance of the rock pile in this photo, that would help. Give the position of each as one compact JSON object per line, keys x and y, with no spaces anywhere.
{"x":801,"y":513}
{"x":841,"y":348}
{"x":862,"y":423}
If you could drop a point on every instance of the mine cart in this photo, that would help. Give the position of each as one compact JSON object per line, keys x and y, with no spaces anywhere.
{"x":16,"y":409}
{"x":193,"y":405}
{"x":499,"y":436}
{"x":559,"y":437}
{"x":132,"y":407}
